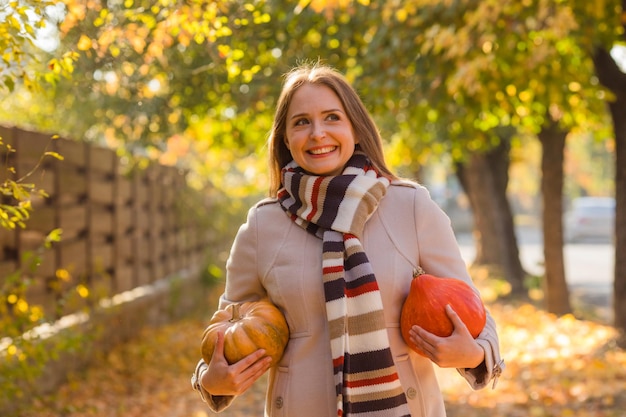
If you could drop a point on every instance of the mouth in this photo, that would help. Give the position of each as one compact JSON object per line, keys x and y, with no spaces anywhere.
{"x":322,"y":151}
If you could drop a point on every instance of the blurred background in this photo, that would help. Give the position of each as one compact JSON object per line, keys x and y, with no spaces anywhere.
{"x":133,"y":141}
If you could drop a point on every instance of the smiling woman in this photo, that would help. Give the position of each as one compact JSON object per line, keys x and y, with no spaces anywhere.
{"x":364,"y":130}
{"x":319,"y":134}
{"x":334,"y":249}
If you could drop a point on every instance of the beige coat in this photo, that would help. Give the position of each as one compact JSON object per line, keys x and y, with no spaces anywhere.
{"x":273,"y":257}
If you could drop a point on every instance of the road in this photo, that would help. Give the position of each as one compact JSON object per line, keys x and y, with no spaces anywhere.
{"x":588,"y":265}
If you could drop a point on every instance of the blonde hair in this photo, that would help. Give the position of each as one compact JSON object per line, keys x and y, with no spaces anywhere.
{"x":363,"y":125}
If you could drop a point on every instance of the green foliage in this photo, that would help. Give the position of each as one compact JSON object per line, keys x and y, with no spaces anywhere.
{"x":25,"y":348}
{"x":18,"y":193}
{"x":151,"y":69}
{"x":493,"y":65}
{"x":211,"y":275}
{"x":441,"y":78}
{"x":22,"y":25}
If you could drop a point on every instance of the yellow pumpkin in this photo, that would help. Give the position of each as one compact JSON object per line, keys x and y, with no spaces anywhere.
{"x":247,"y":327}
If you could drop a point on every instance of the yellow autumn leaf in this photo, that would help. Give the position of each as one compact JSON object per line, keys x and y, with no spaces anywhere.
{"x":63,"y":274}
{"x":82,"y":290}
{"x":54,"y":155}
{"x":84,"y":43}
{"x":21,"y":305}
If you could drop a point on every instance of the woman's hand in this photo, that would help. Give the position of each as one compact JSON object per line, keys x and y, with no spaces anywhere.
{"x":226,"y":380}
{"x":459,"y":350}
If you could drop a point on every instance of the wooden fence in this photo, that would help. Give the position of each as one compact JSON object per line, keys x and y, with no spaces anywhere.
{"x":119,"y":230}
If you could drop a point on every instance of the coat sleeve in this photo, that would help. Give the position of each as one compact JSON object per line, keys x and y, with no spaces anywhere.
{"x":439,"y":255}
{"x":242,"y":284}
{"x":242,"y":267}
{"x":216,"y":403}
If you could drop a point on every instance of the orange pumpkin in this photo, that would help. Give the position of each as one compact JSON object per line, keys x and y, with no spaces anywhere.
{"x":247,"y":327}
{"x":426,"y":303}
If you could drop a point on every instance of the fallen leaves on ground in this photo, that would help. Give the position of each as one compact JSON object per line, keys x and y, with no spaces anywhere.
{"x":554,"y":367}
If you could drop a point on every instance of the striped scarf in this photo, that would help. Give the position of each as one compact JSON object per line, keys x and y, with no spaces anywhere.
{"x":335,"y":209}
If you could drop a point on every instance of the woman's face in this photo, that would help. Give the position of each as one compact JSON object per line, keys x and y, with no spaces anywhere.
{"x":319,"y":134}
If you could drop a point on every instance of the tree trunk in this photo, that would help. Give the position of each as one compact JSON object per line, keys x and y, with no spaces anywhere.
{"x":618,"y":111}
{"x":553,"y":146}
{"x":484,"y":178}
{"x":613,"y":78}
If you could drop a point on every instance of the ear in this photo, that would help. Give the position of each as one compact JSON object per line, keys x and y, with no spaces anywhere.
{"x":286,"y":142}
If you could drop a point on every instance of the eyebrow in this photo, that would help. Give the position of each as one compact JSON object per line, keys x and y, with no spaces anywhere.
{"x":323,"y":112}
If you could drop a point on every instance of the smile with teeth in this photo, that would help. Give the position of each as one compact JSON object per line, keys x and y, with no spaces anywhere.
{"x":320,"y":151}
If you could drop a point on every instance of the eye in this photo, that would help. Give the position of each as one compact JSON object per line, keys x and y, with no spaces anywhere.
{"x":333,"y":117}
{"x":301,"y":122}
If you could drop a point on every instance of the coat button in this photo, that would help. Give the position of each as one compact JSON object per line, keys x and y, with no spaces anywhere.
{"x":410,"y":393}
{"x":279,"y":402}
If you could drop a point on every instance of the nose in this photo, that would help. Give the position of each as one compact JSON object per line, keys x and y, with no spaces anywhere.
{"x":317,"y":131}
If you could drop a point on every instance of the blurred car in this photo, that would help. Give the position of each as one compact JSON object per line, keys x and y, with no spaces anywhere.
{"x":590,"y":218}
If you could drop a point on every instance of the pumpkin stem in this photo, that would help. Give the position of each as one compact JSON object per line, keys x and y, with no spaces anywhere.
{"x":418,"y":271}
{"x":234,"y":314}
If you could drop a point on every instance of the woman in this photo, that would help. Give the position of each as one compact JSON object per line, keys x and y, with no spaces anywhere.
{"x":334,"y":248}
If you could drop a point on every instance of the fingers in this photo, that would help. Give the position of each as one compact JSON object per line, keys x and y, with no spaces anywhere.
{"x":458,"y":350}
{"x":251,"y":360}
{"x":218,"y":350}
{"x":219,"y":344}
{"x":218,"y":354}
{"x":254,"y":372}
{"x":424,"y":340}
{"x":245,"y":372}
{"x":224,"y":379}
{"x":437,"y":348}
{"x":456,"y":320}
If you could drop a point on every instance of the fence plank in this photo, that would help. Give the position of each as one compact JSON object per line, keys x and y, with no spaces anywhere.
{"x":7,"y":267}
{"x":73,"y":153}
{"x":119,"y":230}
{"x":48,"y":264}
{"x":71,"y":187}
{"x":102,"y":256}
{"x":30,"y":148}
{"x":30,"y":240}
{"x":102,"y":160}
{"x":73,"y":221}
{"x":101,"y":221}
{"x":43,"y":218}
{"x":73,"y":256}
{"x":100,"y":189}
{"x":124,"y":277}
